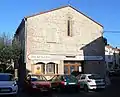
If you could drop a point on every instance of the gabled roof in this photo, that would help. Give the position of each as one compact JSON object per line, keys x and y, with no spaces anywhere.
{"x":60,"y":8}
{"x":116,"y":49}
{"x":109,"y":46}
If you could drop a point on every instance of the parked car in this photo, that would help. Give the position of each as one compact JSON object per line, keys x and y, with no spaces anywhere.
{"x":114,"y":72}
{"x":62,"y":82}
{"x":8,"y":85}
{"x":37,"y":83}
{"x":91,"y":81}
{"x":76,"y":73}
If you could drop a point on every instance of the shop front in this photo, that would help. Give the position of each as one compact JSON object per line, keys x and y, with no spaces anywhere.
{"x":80,"y":63}
{"x":71,"y":66}
{"x":45,"y":68}
{"x":60,"y":64}
{"x":46,"y":64}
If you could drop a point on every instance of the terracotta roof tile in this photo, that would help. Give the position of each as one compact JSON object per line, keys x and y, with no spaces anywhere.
{"x":116,"y":49}
{"x":109,"y":46}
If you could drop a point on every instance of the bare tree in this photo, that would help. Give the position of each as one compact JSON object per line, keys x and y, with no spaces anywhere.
{"x":10,"y":50}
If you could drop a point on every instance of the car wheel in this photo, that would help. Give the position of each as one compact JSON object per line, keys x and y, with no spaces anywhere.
{"x":86,"y":88}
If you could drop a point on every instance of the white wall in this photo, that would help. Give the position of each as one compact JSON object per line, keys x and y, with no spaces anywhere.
{"x":47,"y":34}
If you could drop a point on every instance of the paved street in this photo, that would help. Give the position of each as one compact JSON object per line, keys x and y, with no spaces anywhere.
{"x":111,"y":91}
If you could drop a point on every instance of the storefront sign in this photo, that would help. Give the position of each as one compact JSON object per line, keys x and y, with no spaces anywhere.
{"x":58,"y":57}
{"x":85,"y":58}
{"x":45,"y":57}
{"x":77,"y":58}
{"x":35,"y":57}
{"x":93,"y":58}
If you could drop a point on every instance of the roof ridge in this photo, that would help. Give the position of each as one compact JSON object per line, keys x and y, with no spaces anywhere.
{"x":63,"y":7}
{"x":46,"y":11}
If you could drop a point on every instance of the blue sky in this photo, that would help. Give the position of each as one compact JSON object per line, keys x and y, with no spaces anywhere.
{"x":105,"y":12}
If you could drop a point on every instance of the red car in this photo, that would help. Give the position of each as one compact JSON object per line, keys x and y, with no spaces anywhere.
{"x":37,"y":83}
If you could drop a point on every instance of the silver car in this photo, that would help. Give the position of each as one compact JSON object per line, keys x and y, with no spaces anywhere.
{"x":8,"y":85}
{"x":91,"y":81}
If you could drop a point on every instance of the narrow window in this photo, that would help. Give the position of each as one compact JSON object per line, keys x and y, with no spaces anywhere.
{"x":69,"y":32}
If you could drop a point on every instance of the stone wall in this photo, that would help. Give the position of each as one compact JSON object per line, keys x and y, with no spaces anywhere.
{"x":47,"y":34}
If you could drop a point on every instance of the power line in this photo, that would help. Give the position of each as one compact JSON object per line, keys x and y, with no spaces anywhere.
{"x":111,"y":31}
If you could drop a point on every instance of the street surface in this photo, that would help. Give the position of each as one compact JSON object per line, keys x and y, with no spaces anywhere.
{"x":111,"y":91}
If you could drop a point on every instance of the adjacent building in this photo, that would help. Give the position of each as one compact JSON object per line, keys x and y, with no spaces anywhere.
{"x":61,"y":41}
{"x":109,"y":56}
{"x":112,"y":57}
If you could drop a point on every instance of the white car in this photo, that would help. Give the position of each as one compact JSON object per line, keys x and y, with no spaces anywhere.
{"x":8,"y":85}
{"x":91,"y":81}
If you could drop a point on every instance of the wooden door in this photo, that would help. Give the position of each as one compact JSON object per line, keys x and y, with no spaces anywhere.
{"x":70,"y":67}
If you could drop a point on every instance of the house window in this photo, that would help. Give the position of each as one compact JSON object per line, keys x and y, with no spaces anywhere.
{"x":69,"y":26}
{"x":39,"y":68}
{"x":50,"y":68}
{"x":83,"y":77}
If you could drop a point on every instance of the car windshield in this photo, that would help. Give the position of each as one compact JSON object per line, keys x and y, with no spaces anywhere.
{"x":38,"y":78}
{"x":69,"y":77}
{"x":6,"y":77}
{"x":95,"y":77}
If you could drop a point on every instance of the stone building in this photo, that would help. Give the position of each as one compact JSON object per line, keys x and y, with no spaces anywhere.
{"x":61,"y":41}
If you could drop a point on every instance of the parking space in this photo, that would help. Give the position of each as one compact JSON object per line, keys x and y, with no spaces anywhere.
{"x":111,"y":91}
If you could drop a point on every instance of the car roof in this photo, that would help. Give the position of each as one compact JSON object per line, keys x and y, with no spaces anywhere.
{"x":5,"y":74}
{"x":63,"y":75}
{"x":35,"y":75}
{"x":89,"y":74}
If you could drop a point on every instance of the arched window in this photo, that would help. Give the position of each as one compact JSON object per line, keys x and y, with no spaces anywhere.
{"x":41,"y":65}
{"x":50,"y":68}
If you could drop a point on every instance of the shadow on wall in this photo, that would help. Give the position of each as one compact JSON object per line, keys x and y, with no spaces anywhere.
{"x":109,"y":61}
{"x":21,"y":71}
{"x":94,"y":48}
